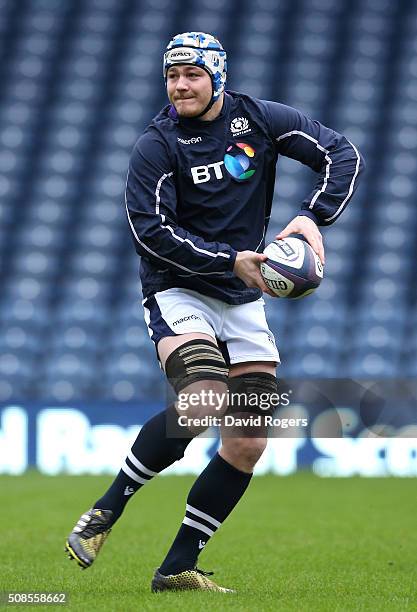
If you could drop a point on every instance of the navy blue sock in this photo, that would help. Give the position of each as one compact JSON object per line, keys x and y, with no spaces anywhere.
{"x":211,"y":499}
{"x":151,"y":453}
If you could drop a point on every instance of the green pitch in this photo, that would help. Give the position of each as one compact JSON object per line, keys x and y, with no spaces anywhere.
{"x":296,"y":543}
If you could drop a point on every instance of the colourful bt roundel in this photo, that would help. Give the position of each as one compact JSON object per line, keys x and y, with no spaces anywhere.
{"x":237,"y":161}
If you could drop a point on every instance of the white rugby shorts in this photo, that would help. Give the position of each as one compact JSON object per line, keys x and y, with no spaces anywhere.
{"x":240,"y":330}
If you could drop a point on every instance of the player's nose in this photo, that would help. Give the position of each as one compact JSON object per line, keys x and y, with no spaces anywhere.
{"x":182,"y":83}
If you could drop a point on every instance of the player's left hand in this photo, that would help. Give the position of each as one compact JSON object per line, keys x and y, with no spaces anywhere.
{"x":305,"y":226}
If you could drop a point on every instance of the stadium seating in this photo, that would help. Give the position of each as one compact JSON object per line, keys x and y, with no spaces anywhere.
{"x":81,"y":79}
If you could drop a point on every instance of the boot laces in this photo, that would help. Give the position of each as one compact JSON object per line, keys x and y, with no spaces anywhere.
{"x":203,"y":573}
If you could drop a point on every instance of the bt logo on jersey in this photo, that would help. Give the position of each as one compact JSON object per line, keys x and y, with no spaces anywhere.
{"x":202,"y":174}
{"x":238,"y":161}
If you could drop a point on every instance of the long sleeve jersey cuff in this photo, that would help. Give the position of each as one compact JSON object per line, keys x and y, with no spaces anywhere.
{"x":233,"y":255}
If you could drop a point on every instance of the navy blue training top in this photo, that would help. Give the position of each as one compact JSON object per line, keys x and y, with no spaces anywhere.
{"x":199,"y":191}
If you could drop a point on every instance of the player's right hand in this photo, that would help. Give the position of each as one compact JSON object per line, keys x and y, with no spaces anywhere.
{"x":247,"y":269}
{"x":305,"y":226}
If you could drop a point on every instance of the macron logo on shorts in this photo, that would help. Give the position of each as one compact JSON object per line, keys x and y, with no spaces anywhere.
{"x":183,"y":319}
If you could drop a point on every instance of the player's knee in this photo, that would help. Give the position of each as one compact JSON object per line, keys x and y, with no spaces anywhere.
{"x":245,"y":451}
{"x":252,"y":449}
{"x":202,"y":403}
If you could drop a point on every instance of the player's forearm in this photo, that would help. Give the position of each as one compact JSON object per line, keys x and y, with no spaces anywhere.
{"x":336,"y":160}
{"x":173,"y":247}
{"x":339,"y":179}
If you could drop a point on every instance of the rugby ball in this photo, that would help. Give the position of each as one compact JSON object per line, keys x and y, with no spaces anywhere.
{"x":292,"y":270}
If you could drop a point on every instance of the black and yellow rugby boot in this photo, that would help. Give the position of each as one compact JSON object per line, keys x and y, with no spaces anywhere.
{"x":189,"y":580}
{"x":88,"y":536}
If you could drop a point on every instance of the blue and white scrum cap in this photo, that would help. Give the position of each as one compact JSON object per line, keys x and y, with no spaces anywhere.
{"x":202,"y":50}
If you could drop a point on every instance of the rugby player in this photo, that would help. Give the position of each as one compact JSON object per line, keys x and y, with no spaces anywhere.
{"x":198,"y":200}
